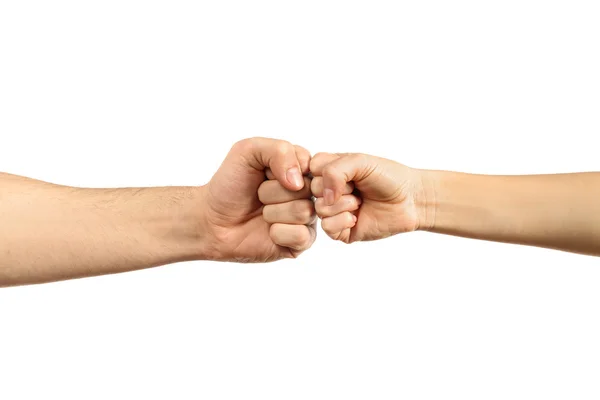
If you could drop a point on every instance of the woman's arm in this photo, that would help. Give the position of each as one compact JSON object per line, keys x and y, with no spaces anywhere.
{"x":559,"y":211}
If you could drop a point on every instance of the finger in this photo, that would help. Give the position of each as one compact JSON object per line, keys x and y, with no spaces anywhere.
{"x":299,"y":212}
{"x":295,"y":237}
{"x":303,"y":157}
{"x":336,"y":224}
{"x":272,"y":192}
{"x":278,"y":155}
{"x":343,"y":236}
{"x":351,"y":167}
{"x":347,"y":202}
{"x":319,"y":161}
{"x":316,"y":187}
{"x":269,"y":174}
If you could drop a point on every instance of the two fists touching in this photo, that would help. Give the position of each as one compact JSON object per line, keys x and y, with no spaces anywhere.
{"x":260,"y":203}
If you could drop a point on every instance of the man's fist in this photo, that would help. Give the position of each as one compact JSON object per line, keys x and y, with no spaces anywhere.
{"x":291,"y":215}
{"x":241,"y":228}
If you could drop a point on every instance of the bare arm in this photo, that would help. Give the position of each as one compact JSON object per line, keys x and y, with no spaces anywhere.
{"x":559,"y":211}
{"x":50,"y":232}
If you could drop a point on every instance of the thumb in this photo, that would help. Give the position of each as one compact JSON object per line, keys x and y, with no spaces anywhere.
{"x":277,"y":155}
{"x":346,"y":168}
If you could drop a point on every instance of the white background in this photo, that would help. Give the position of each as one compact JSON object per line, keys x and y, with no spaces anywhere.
{"x":145,"y":93}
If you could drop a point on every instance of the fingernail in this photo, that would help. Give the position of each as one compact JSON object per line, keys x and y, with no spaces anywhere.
{"x":328,"y":195}
{"x":354,"y":218}
{"x":294,"y":177}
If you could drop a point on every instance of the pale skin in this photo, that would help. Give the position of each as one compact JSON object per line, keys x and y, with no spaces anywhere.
{"x":50,"y":232}
{"x":258,"y":207}
{"x":558,"y":211}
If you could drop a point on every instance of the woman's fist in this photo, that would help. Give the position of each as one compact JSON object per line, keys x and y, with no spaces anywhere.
{"x":362,"y":197}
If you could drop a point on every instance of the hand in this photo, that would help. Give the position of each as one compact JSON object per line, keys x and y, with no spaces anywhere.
{"x":385,"y":201}
{"x":234,"y":211}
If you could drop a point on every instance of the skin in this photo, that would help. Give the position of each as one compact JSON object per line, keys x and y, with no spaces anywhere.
{"x":258,"y":208}
{"x":51,"y":232}
{"x":558,"y":211}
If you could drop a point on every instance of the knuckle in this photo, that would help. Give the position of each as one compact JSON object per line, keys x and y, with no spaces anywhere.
{"x":308,"y":213}
{"x":348,"y":218}
{"x":329,"y":171}
{"x":302,"y":154}
{"x":300,"y":149}
{"x":352,"y":202}
{"x":319,"y":206}
{"x":298,"y":207}
{"x":283,"y":147}
{"x":326,"y":226}
{"x":279,"y":232}
{"x":302,"y":236}
{"x":302,"y":211}
{"x":316,"y":160}
{"x":335,"y":235}
{"x":243,"y":145}
{"x":319,"y":155}
{"x":312,"y":216}
{"x":357,"y":157}
{"x":315,"y":185}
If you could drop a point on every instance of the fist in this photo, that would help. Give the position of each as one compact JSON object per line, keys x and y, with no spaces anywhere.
{"x":290,"y":214}
{"x":362,"y":197}
{"x":246,"y":224}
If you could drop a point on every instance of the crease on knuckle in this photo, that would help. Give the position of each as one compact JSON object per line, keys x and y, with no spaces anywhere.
{"x":307,"y":213}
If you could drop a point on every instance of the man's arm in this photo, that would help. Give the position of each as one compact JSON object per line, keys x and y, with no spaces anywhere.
{"x":50,"y":232}
{"x":559,"y":211}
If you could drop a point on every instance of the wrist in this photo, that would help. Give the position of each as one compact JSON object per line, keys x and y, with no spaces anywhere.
{"x":455,"y":203}
{"x":425,"y":198}
{"x":196,"y":225}
{"x":177,"y":218}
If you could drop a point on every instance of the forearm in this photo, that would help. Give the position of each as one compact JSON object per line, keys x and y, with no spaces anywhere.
{"x":50,"y":232}
{"x":556,"y":211}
